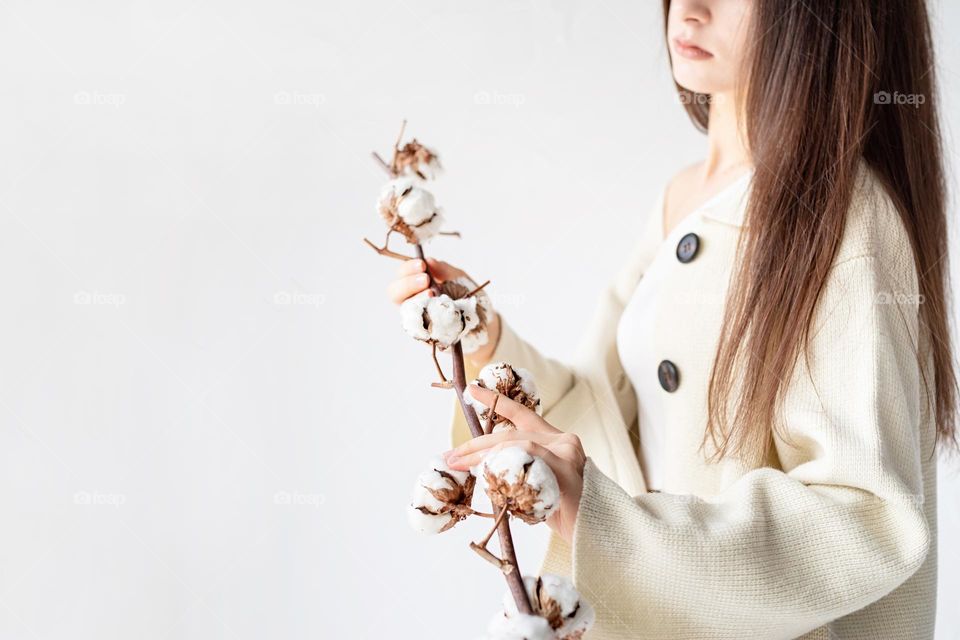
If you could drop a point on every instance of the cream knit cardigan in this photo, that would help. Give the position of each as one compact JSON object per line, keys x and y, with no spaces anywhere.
{"x":835,"y":536}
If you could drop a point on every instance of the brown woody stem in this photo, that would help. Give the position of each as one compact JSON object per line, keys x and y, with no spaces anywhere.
{"x":433,"y":283}
{"x":514,"y":577}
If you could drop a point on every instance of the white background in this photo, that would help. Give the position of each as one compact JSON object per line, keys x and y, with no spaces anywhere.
{"x":172,"y":172}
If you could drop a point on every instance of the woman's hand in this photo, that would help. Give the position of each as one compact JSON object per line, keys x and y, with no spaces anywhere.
{"x":412,"y":279}
{"x":562,"y":451}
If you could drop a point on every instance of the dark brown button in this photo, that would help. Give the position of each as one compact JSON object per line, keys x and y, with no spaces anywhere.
{"x":668,"y":375}
{"x":687,"y":247}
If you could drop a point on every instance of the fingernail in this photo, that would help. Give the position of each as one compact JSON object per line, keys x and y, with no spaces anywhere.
{"x":446,"y":454}
{"x":452,"y":460}
{"x":422,"y":279}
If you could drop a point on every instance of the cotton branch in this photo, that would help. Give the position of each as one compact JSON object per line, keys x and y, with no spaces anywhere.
{"x":415,"y":158}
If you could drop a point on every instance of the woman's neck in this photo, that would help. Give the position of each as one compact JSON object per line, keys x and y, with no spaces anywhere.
{"x":726,"y":140}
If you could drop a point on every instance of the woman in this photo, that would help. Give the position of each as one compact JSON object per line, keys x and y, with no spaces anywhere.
{"x":764,"y":385}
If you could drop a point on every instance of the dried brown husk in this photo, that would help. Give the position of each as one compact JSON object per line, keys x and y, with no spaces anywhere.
{"x":519,"y":496}
{"x":511,"y":388}
{"x":413,"y":156}
{"x":456,"y":499}
{"x":546,"y":607}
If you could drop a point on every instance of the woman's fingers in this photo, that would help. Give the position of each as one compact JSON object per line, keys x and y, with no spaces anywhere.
{"x":412,"y":277}
{"x":407,"y":286}
{"x":563,"y":446}
{"x":410,"y":267}
{"x":525,"y":418}
{"x":525,"y":442}
{"x":482,"y":443}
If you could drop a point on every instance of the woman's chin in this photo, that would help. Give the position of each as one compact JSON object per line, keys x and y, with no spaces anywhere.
{"x":697,"y":81}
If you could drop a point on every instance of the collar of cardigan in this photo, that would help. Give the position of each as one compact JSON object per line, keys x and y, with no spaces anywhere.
{"x":730,"y":205}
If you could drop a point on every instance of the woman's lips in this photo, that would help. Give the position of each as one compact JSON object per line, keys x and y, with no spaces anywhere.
{"x":689,"y":50}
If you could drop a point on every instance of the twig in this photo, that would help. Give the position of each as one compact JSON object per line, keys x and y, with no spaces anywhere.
{"x":486,"y":538}
{"x":493,"y":411}
{"x":386,"y":167}
{"x":481,"y":547}
{"x":444,"y":383}
{"x":475,"y":291}
{"x":387,"y":252}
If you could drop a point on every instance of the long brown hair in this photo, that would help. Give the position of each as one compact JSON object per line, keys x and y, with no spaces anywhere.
{"x":816,"y":98}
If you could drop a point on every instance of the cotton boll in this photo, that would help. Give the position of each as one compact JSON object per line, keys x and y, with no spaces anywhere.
{"x":410,"y":209}
{"x":508,"y":464}
{"x":447,"y":321}
{"x":541,"y":477}
{"x":441,"y":498}
{"x":478,"y":309}
{"x":528,"y":386}
{"x":474,"y":333}
{"x":519,"y":627}
{"x":525,"y":483}
{"x":413,"y":317}
{"x":427,"y":523}
{"x":471,"y":319}
{"x":514,"y":382}
{"x":391,"y":192}
{"x":558,"y":601}
{"x":438,"y":319}
{"x":416,"y":206}
{"x":428,"y":229}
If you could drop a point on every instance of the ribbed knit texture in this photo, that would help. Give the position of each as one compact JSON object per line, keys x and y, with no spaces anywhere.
{"x":835,"y":538}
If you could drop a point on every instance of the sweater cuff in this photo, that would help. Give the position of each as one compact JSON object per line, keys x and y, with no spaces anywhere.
{"x":595,"y":518}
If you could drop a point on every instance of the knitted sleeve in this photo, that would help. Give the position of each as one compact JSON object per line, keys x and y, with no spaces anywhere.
{"x":777,"y":553}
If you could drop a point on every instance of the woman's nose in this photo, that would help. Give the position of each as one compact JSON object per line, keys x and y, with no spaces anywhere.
{"x":692,"y":11}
